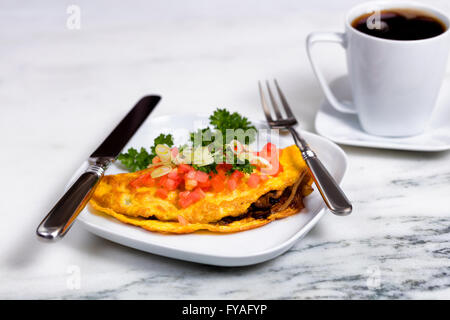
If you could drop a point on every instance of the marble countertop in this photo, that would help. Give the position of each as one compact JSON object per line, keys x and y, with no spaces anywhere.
{"x":62,"y":88}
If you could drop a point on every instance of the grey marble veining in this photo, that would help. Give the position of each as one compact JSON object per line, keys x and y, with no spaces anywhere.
{"x":61,"y":90}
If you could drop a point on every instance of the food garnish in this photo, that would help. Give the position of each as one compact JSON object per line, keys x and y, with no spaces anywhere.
{"x":217,"y":158}
{"x":135,"y":161}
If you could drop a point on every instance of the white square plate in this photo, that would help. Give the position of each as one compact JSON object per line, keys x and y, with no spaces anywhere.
{"x":235,"y":249}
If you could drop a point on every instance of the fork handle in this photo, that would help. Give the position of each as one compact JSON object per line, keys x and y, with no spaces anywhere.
{"x":331,"y":192}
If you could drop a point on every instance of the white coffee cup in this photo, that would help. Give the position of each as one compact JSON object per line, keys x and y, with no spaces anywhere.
{"x":394,"y":83}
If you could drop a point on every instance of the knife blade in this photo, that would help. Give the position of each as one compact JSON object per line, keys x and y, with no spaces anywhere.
{"x":59,"y":220}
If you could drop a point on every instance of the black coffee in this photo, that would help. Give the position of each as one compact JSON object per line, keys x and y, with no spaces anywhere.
{"x":399,"y":24}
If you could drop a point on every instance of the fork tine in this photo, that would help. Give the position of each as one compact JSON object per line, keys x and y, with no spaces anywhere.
{"x":284,"y":101}
{"x":274,"y":103}
{"x":264,"y":104}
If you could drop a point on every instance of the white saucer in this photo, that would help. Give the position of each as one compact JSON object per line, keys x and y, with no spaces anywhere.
{"x":345,"y":128}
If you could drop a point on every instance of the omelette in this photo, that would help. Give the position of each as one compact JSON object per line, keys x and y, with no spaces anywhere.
{"x":243,"y":206}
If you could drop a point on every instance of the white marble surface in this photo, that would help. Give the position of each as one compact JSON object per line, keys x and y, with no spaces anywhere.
{"x":62,"y":90}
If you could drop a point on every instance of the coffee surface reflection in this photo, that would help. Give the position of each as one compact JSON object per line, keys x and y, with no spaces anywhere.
{"x":400,"y":24}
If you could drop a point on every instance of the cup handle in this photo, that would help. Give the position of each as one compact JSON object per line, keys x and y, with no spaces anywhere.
{"x":336,"y":37}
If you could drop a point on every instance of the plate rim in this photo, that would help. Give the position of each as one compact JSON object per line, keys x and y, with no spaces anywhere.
{"x":372,"y":144}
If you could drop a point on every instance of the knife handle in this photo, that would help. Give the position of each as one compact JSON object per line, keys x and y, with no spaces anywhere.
{"x":329,"y":189}
{"x":59,"y":220}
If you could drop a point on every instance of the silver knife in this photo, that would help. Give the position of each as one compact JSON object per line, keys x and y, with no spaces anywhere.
{"x":59,"y":220}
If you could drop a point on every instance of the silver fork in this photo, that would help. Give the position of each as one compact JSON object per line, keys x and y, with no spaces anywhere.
{"x":332,"y":194}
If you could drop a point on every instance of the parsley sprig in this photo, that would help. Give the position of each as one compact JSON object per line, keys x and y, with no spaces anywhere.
{"x":223,"y":121}
{"x":166,"y":139}
{"x":134,"y":160}
{"x":225,"y":126}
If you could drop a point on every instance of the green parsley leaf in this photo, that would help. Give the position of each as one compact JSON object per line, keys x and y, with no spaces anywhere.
{"x":166,"y":139}
{"x":244,"y":167}
{"x":134,"y":160}
{"x":223,"y":120}
{"x":201,"y":137}
{"x":207,"y":169}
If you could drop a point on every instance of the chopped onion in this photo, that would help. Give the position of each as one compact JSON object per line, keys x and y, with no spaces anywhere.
{"x":178,"y":159}
{"x":202,"y":156}
{"x":161,"y":171}
{"x":261,"y":162}
{"x":185,"y":156}
{"x":152,"y":165}
{"x":163,"y":152}
{"x":243,"y":156}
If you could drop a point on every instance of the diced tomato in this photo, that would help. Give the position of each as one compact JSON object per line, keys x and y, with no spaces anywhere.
{"x":197,"y":194}
{"x":189,"y":197}
{"x":270,"y":147}
{"x":144,"y":180}
{"x":149,"y":182}
{"x":185,"y":202}
{"x":202,"y":194}
{"x":218,"y":182}
{"x":162,"y":193}
{"x":268,"y":150}
{"x":234,"y":179}
{"x":171,"y":184}
{"x":173,"y":174}
{"x":221,"y":172}
{"x":201,"y":176}
{"x":253,"y":180}
{"x":237,"y":175}
{"x":168,"y":183}
{"x":156,"y":159}
{"x":190,"y":184}
{"x":223,"y":167}
{"x":183,"y":168}
{"x":205,"y":184}
{"x":232,"y":184}
{"x":272,"y":154}
{"x":184,"y":194}
{"x":190,"y":175}
{"x":162,"y":181}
